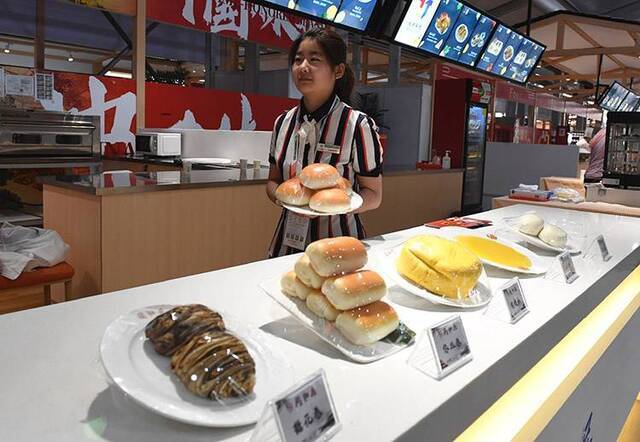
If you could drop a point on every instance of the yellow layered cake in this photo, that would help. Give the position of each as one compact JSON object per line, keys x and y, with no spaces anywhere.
{"x":495,"y":252}
{"x":439,"y":265}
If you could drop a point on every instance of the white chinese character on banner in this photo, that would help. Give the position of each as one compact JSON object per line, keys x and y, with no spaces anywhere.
{"x":227,"y":18}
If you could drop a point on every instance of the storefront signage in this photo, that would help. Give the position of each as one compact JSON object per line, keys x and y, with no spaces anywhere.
{"x":515,"y":300}
{"x":568,"y":267}
{"x":449,"y":344}
{"x":604,"y":250}
{"x":233,"y":18}
{"x":518,"y":94}
{"x":304,"y":413}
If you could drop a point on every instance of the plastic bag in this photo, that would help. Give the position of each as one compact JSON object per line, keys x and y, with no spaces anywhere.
{"x":22,"y":249}
{"x":567,"y":194}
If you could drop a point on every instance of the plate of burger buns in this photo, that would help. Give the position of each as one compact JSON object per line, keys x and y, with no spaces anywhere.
{"x":331,"y":292}
{"x":319,"y":190}
{"x":192,"y":364}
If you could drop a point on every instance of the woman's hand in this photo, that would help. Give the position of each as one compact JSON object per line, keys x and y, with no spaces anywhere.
{"x":275,"y":179}
{"x":371,"y":193}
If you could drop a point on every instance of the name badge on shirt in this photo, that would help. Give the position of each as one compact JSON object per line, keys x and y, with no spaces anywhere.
{"x":329,"y":148}
{"x":295,"y":231}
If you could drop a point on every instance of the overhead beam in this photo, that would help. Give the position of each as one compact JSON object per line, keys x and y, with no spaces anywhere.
{"x":560,"y":34}
{"x":139,"y":60}
{"x":578,"y":30}
{"x":623,"y":50}
{"x":38,"y":53}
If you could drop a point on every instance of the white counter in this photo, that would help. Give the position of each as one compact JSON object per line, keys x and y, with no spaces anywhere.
{"x":54,"y":389}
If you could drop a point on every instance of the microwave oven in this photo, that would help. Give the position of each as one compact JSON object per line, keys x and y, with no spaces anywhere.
{"x":162,"y":144}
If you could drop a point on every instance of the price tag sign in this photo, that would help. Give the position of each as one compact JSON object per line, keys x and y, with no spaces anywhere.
{"x":449,"y":344}
{"x":295,"y":231}
{"x":604,"y":250}
{"x":515,"y":300}
{"x":568,"y":267}
{"x":306,"y":413}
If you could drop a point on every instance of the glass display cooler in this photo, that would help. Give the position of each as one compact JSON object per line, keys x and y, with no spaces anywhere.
{"x":622,"y":151}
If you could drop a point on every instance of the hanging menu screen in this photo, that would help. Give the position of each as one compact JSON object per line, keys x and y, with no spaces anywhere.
{"x":613,"y":98}
{"x":354,"y":14}
{"x":630,"y":103}
{"x":447,"y":28}
{"x":510,"y":55}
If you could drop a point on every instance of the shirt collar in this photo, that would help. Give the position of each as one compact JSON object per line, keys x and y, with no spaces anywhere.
{"x":319,"y":113}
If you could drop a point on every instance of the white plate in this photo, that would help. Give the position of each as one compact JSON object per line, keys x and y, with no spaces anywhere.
{"x":356,"y":203}
{"x":538,"y":266}
{"x":535,"y":241}
{"x":326,"y":330}
{"x":133,"y":365}
{"x":480,"y":295}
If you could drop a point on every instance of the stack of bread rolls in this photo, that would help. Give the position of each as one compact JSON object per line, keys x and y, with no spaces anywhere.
{"x":330,"y":279}
{"x":319,"y":186}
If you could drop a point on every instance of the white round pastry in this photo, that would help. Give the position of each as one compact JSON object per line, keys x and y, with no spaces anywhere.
{"x":320,"y":305}
{"x":354,"y":289}
{"x":293,"y":192}
{"x":553,"y":235}
{"x":367,"y":324}
{"x":345,"y":185}
{"x":530,"y":224}
{"x":319,"y":176}
{"x":292,"y":286}
{"x":307,"y":274}
{"x":330,"y":201}
{"x":336,"y":256}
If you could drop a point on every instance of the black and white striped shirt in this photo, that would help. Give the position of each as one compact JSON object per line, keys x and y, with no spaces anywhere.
{"x":336,"y":124}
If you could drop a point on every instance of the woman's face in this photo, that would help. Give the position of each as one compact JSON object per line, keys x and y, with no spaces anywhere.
{"x":312,"y":72}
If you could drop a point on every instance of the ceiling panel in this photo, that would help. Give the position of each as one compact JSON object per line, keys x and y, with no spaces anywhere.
{"x":607,"y":37}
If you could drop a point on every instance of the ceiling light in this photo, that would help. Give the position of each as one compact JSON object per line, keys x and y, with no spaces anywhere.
{"x":590,"y":102}
{"x":193,"y":71}
{"x":541,"y":86}
{"x":118,"y":74}
{"x":564,"y":94}
{"x":7,"y":49}
{"x":70,"y":59}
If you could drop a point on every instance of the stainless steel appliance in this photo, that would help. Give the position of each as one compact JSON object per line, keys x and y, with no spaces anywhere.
{"x":161,"y":144}
{"x":41,"y":136}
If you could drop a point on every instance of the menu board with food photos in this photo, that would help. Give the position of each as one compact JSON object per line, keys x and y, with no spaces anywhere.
{"x":498,"y":42}
{"x":613,"y":97}
{"x":533,"y":52}
{"x":630,"y":103}
{"x":509,"y":51}
{"x":354,"y":14}
{"x":447,"y":28}
{"x":477,"y":40}
{"x":441,"y":26}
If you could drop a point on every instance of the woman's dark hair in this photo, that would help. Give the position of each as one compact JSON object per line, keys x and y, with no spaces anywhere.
{"x":335,"y":50}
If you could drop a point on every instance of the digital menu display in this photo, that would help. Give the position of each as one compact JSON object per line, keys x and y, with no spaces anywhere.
{"x":462,"y":30}
{"x":630,"y":102}
{"x":614,"y":97}
{"x":509,"y":51}
{"x":354,"y":14}
{"x":534,"y":52}
{"x":477,"y":40}
{"x":441,"y":26}
{"x":327,"y":9}
{"x":495,"y":48}
{"x":456,"y":31}
{"x":416,"y":21}
{"x":447,"y":28}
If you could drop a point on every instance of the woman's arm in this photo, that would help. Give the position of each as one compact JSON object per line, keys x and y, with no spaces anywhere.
{"x":371,"y":192}
{"x":275,"y":179}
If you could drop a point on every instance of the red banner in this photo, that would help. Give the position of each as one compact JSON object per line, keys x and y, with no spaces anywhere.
{"x":197,"y":108}
{"x":232,"y":18}
{"x":114,"y":100}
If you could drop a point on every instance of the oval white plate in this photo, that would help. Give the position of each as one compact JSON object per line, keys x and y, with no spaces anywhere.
{"x":134,"y":366}
{"x":327,"y":331}
{"x":356,"y":203}
{"x":480,"y":295}
{"x":535,"y":241}
{"x":538,"y":267}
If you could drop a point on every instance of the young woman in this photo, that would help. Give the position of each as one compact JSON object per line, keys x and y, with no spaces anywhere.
{"x":323,"y":128}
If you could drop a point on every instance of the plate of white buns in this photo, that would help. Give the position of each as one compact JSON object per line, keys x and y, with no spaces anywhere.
{"x":332,"y":293}
{"x":546,"y":236}
{"x":319,"y":190}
